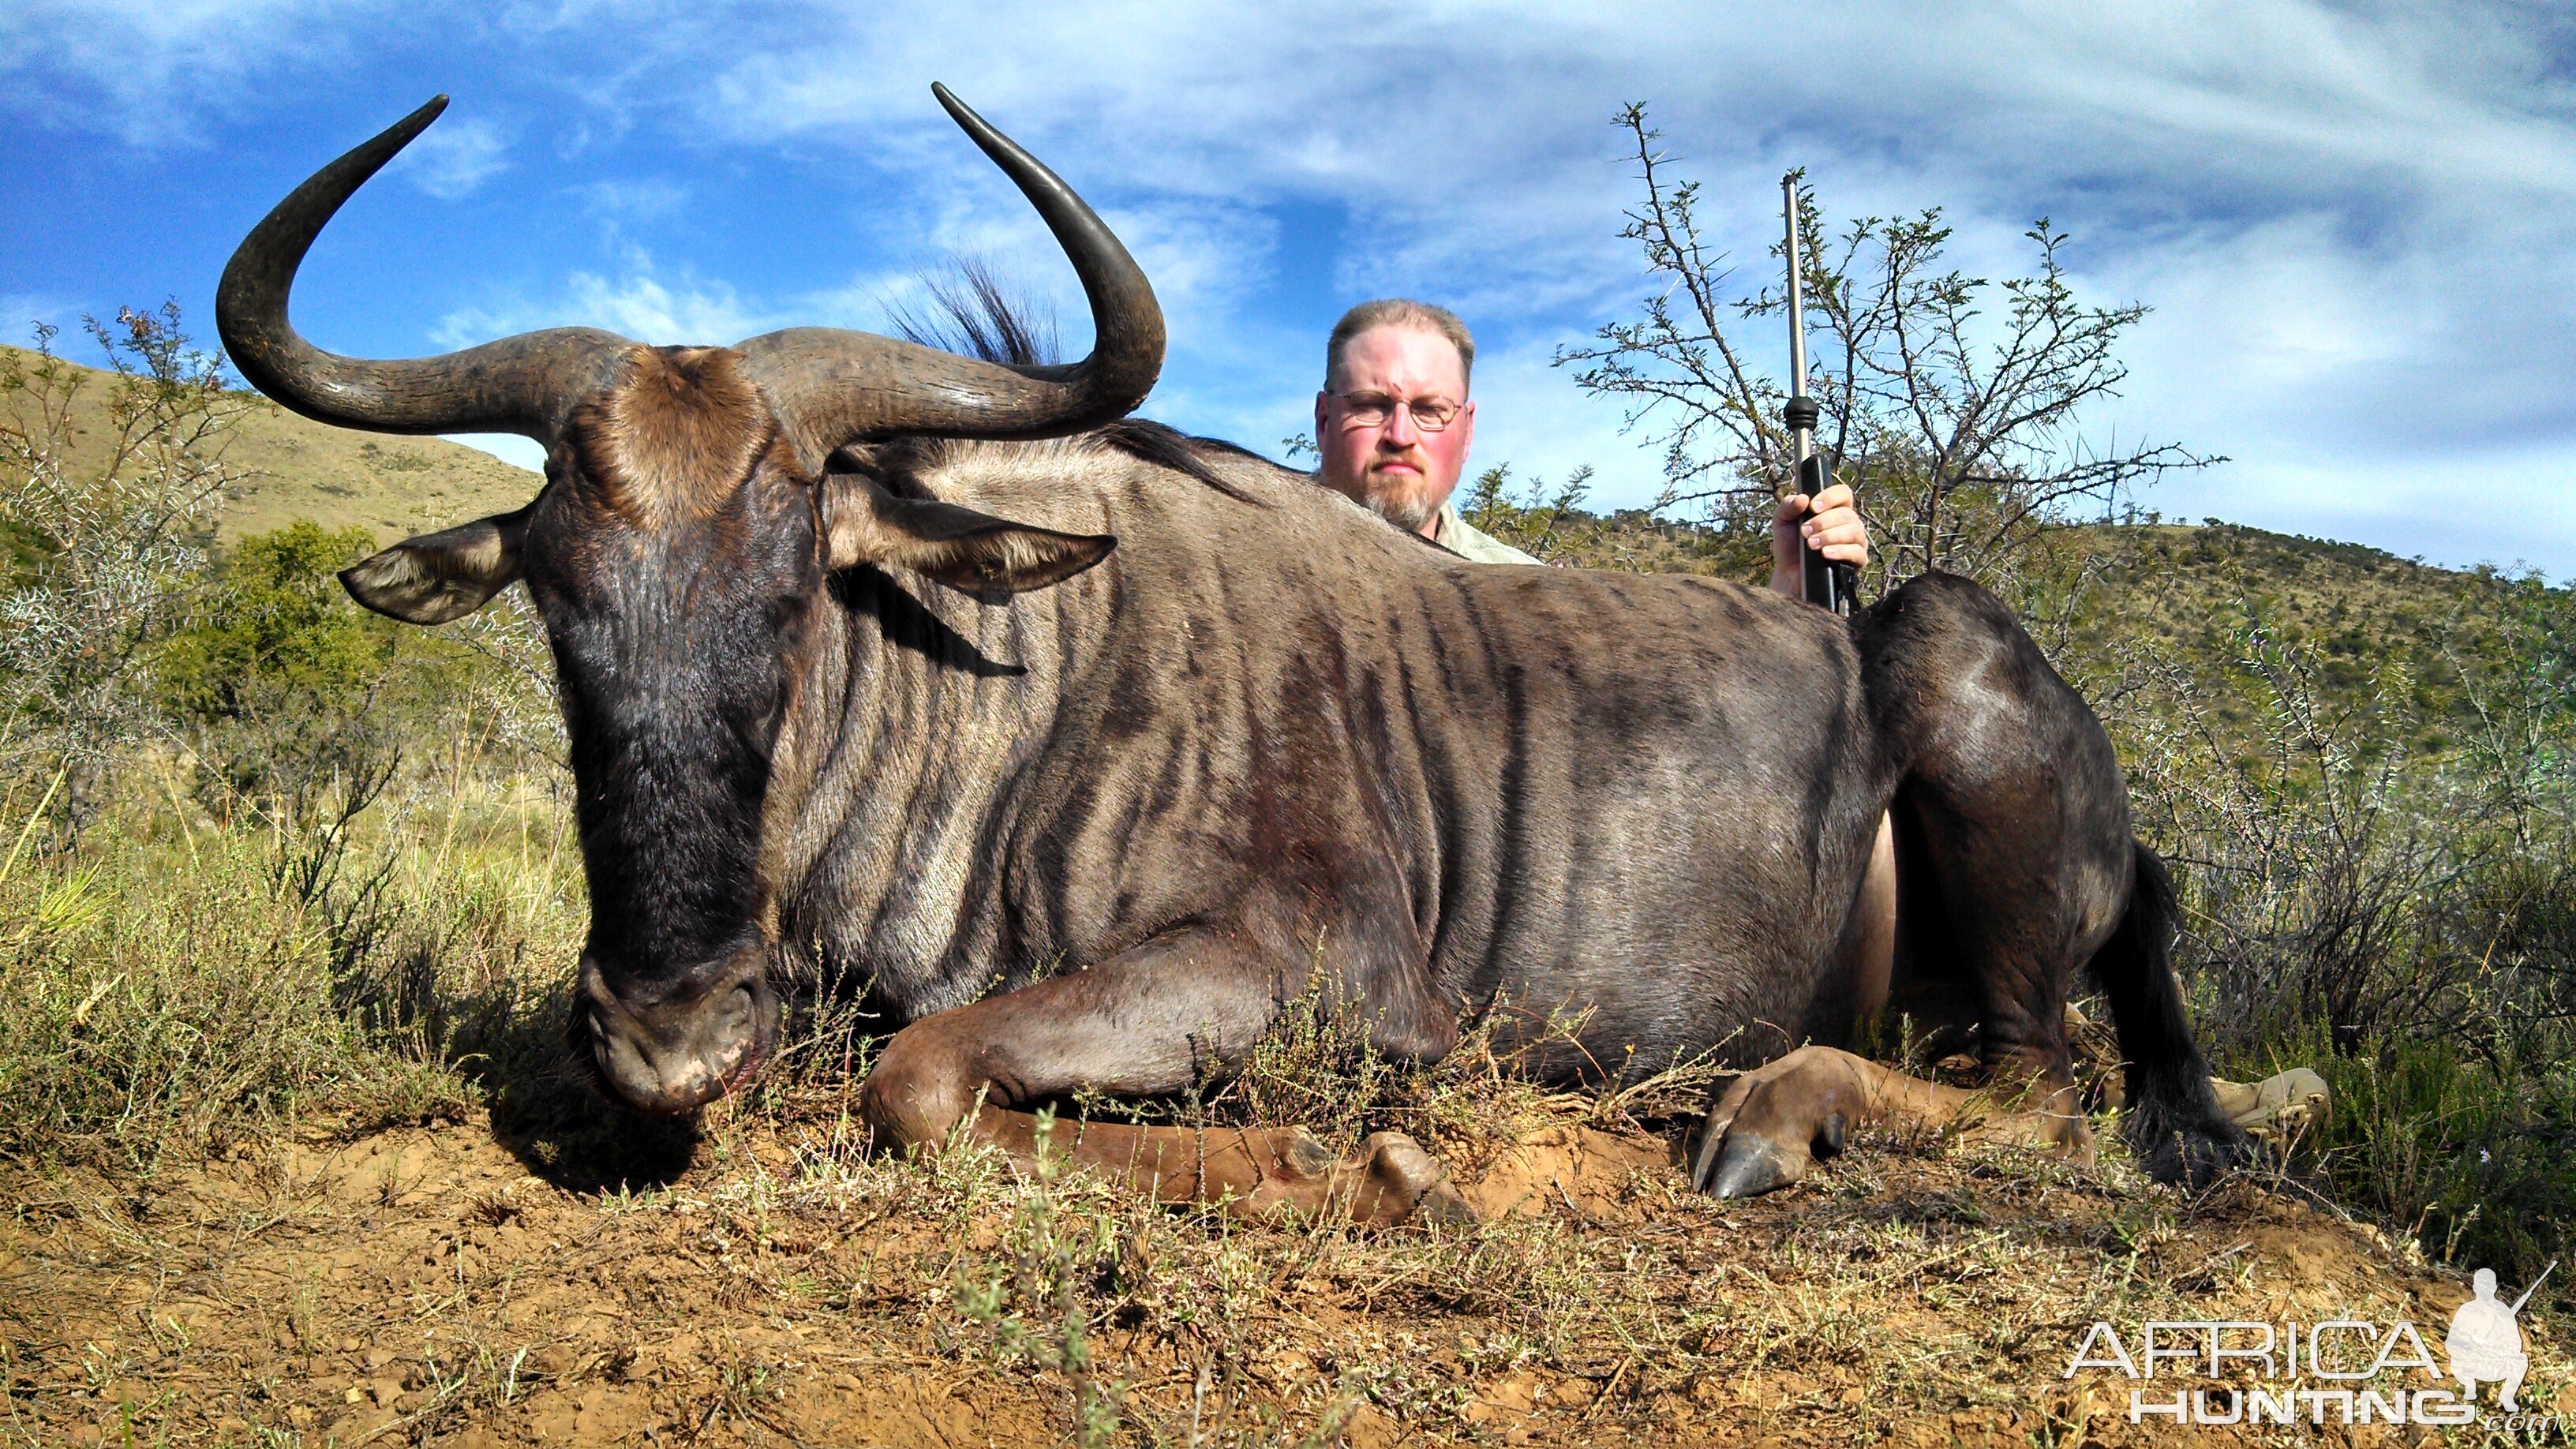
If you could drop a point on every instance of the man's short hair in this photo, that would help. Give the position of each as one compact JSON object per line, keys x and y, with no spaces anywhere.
{"x":1400,"y":312}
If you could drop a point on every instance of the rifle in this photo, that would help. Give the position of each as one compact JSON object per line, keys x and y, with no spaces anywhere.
{"x":1829,"y":586}
{"x":2534,"y":1288}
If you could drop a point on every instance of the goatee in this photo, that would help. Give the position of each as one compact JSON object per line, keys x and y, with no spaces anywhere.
{"x":1412,"y":513}
{"x":1404,"y":502}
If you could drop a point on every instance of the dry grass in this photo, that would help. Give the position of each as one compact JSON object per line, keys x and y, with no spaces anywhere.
{"x":322,"y":1174}
{"x":180,"y":984}
{"x":425,"y":1285}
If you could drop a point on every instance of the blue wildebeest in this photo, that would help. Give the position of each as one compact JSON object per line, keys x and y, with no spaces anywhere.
{"x":1089,"y":747}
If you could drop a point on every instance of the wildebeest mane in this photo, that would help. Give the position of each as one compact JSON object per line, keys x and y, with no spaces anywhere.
{"x":972,"y":312}
{"x":898,"y":461}
{"x":1167,"y":447}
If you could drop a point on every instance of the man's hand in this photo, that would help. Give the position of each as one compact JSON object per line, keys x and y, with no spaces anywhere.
{"x":1829,"y":521}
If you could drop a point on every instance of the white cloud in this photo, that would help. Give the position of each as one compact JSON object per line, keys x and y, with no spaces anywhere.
{"x":1529,"y":413}
{"x":22,"y":312}
{"x":510,"y":448}
{"x":634,"y":199}
{"x":145,"y":71}
{"x":453,"y":157}
{"x":2481,"y":504}
{"x":2353,"y":221}
{"x":638,"y":303}
{"x":641,"y":307}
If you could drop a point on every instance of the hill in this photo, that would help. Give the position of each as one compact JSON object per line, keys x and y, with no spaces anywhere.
{"x":291,"y":467}
{"x":2377,"y":635}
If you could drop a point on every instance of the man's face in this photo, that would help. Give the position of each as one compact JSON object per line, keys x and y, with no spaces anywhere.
{"x":1395,"y":466}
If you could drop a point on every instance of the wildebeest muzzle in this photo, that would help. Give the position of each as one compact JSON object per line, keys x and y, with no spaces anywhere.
{"x":674,"y":1048}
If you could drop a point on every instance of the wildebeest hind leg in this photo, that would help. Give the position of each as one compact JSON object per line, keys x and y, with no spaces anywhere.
{"x":1778,"y":1119}
{"x":1152,"y":1021}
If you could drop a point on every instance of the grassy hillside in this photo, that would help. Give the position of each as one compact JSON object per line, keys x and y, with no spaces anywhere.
{"x":291,"y":467}
{"x":2382,"y":634}
{"x":2401,"y":635}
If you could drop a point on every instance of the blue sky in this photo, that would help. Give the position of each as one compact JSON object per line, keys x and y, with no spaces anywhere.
{"x":2353,"y":221}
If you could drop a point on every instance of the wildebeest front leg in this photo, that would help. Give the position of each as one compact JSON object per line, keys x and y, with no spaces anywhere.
{"x":1150,"y":1022}
{"x":1773,"y":1122}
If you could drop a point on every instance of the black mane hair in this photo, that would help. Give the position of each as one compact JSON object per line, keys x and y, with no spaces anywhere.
{"x":977,"y":316}
{"x":972,"y":314}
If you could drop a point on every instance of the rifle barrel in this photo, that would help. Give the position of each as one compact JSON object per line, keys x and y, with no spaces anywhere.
{"x":2534,"y":1288}
{"x":1826,"y":585}
{"x":1797,"y":308}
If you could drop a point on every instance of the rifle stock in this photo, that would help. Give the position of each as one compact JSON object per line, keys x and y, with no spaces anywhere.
{"x":1822,"y":582}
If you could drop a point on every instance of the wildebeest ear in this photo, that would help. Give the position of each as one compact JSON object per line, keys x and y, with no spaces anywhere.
{"x":957,"y":546}
{"x":441,"y":576}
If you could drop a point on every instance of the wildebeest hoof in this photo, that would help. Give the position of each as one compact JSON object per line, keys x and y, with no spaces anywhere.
{"x":1305,"y":1155}
{"x":1771,"y":1124}
{"x":1399,"y":1182}
{"x":1748,"y":1166}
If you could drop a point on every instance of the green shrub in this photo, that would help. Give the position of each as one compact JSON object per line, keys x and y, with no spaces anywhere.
{"x":279,"y":682}
{"x":2470,"y":1156}
{"x":274,"y":628}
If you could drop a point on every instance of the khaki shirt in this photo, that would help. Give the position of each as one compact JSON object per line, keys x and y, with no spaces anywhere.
{"x":1470,"y":542}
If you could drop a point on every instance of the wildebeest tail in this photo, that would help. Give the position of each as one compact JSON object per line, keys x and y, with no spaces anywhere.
{"x":2175,"y":1125}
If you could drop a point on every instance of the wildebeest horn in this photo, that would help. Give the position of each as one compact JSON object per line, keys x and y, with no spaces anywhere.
{"x":833,"y":387}
{"x":523,"y":384}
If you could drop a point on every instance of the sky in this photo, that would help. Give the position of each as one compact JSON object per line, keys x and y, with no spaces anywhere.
{"x":2353,"y":222}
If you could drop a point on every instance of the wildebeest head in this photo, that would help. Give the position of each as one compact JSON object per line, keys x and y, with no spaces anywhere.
{"x":676,"y":551}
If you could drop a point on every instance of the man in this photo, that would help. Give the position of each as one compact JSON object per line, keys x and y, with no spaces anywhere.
{"x":1394,"y":422}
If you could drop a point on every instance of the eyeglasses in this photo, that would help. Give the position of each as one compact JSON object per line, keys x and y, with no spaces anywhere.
{"x":1372,"y":409}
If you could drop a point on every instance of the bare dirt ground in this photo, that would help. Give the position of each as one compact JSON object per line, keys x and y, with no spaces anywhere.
{"x":439,"y":1285}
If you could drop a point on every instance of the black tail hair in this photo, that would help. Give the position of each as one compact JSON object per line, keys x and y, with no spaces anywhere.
{"x":2175,"y":1125}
